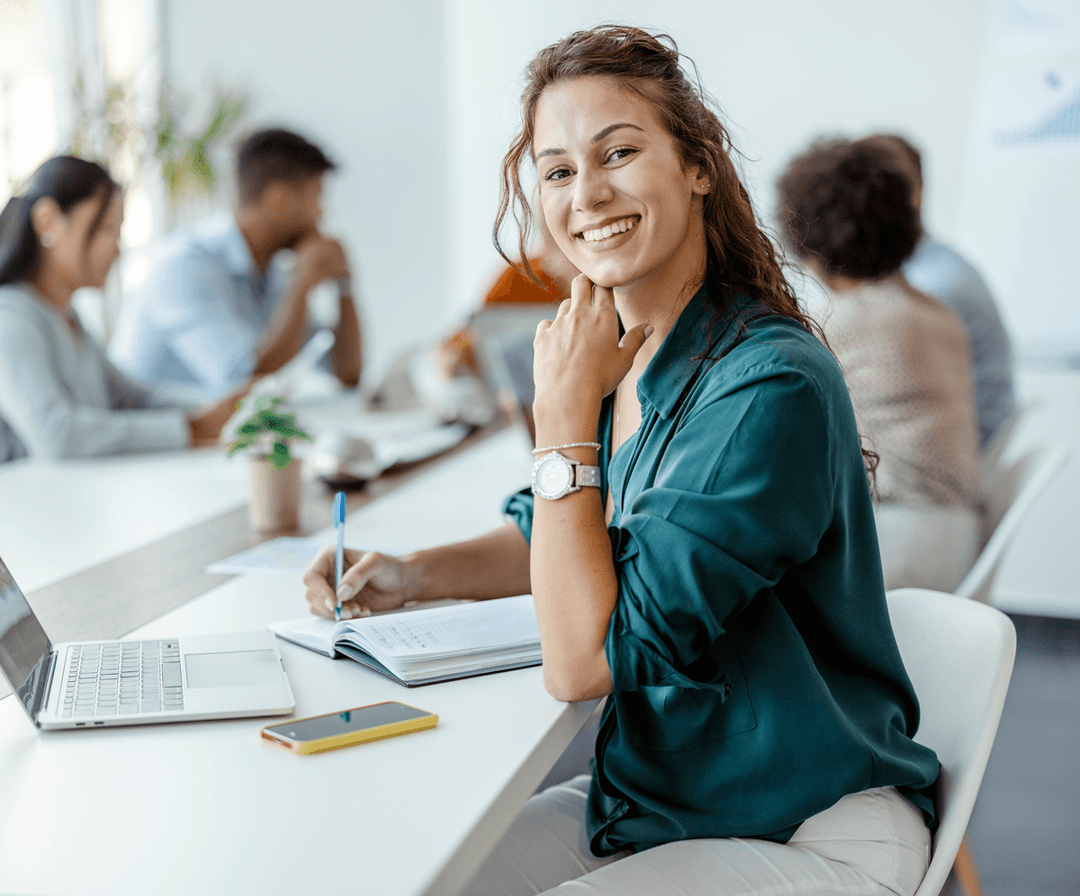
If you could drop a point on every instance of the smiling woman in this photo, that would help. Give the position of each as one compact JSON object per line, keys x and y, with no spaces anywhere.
{"x":616,"y":196}
{"x":699,"y":539}
{"x":740,"y":257}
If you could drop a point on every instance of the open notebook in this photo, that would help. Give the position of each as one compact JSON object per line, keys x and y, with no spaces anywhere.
{"x":424,"y":646}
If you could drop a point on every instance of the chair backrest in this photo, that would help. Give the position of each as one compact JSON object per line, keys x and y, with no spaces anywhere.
{"x":1010,"y":492}
{"x":959,"y":655}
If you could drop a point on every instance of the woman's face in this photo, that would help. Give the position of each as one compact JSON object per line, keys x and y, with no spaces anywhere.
{"x":82,"y":258}
{"x":613,"y":190}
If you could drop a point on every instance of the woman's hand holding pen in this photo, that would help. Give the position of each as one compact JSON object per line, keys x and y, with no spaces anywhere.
{"x":372,"y":581}
{"x":579,"y":359}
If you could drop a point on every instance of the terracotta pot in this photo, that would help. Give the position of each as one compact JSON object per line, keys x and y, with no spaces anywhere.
{"x":275,"y":496}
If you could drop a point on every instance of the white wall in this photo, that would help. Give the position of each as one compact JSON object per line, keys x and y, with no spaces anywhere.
{"x":364,"y":80}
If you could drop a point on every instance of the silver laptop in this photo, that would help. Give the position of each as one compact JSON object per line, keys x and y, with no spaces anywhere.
{"x":106,"y":683}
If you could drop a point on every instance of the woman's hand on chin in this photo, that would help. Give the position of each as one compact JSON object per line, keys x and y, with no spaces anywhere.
{"x":579,"y":357}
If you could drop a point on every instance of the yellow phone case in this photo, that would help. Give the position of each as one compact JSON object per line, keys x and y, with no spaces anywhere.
{"x":352,"y":737}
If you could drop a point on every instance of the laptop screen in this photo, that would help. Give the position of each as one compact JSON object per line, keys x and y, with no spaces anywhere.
{"x":24,"y":646}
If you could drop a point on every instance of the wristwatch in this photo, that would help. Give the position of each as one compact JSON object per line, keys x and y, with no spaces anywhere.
{"x":554,"y":476}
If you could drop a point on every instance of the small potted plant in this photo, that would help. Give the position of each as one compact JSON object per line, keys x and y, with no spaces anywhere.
{"x":275,"y":478}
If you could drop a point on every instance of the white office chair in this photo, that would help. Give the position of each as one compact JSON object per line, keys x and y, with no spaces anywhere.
{"x":1010,"y":492}
{"x":959,"y":655}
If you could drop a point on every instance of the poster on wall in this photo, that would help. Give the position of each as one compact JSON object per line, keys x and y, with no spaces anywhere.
{"x":1020,"y":217}
{"x":1032,"y":88}
{"x":1035,"y":108}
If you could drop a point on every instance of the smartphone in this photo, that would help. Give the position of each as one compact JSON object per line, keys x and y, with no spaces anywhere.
{"x":352,"y":726}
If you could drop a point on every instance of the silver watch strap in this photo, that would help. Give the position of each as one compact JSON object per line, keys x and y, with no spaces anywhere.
{"x":586,"y":475}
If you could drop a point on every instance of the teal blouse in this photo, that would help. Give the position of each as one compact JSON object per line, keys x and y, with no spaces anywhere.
{"x":756,"y":677}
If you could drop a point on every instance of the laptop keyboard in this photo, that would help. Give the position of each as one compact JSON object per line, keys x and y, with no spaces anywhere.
{"x":123,"y":678}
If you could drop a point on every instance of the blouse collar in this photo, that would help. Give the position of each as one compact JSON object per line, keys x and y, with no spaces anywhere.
{"x":698,"y":337}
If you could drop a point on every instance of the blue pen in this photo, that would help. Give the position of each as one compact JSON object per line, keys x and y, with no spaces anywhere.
{"x":339,"y":559}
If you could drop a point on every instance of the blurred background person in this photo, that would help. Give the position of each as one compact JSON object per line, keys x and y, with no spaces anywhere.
{"x":847,"y":210}
{"x":938,"y":270}
{"x":457,"y":354}
{"x":448,"y":378}
{"x":59,"y":395}
{"x":213,"y":311}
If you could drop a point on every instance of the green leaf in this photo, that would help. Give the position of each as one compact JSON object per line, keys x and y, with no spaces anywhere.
{"x":266,"y":419}
{"x":279,"y":456}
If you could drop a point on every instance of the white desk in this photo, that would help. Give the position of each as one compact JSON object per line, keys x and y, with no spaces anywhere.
{"x":209,"y":807}
{"x":60,"y":518}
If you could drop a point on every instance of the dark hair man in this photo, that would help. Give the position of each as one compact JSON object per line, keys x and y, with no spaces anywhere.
{"x":213,"y":311}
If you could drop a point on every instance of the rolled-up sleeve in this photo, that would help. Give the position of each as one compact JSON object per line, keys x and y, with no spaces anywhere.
{"x":518,"y":508}
{"x":738,"y":497}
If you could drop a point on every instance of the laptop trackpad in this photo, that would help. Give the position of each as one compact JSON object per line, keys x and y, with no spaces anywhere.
{"x":236,"y":669}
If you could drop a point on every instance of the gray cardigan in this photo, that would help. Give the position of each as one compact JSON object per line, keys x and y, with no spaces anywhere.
{"x":61,"y":397}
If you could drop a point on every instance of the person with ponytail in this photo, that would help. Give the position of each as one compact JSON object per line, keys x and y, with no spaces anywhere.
{"x":59,"y":394}
{"x":699,"y":540}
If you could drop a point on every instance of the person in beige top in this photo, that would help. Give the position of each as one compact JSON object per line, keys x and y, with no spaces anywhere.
{"x":847,"y":211}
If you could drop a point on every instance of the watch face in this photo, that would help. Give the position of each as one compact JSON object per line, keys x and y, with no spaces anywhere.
{"x":553,"y":476}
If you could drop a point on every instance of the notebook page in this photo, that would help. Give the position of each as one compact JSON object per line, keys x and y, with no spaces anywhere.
{"x":449,"y":631}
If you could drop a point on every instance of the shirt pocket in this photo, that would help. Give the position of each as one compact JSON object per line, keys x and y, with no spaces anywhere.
{"x":672,"y":718}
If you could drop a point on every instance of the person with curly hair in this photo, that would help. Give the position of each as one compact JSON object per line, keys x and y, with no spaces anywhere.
{"x":699,"y":539}
{"x":847,"y":210}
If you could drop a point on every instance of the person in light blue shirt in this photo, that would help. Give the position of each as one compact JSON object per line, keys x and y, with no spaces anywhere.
{"x":939,"y":271}
{"x":214,"y":311}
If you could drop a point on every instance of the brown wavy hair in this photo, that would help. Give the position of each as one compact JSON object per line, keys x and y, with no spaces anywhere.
{"x":741,"y":257}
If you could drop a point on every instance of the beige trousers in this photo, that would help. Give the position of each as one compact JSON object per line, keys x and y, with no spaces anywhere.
{"x":873,"y":843}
